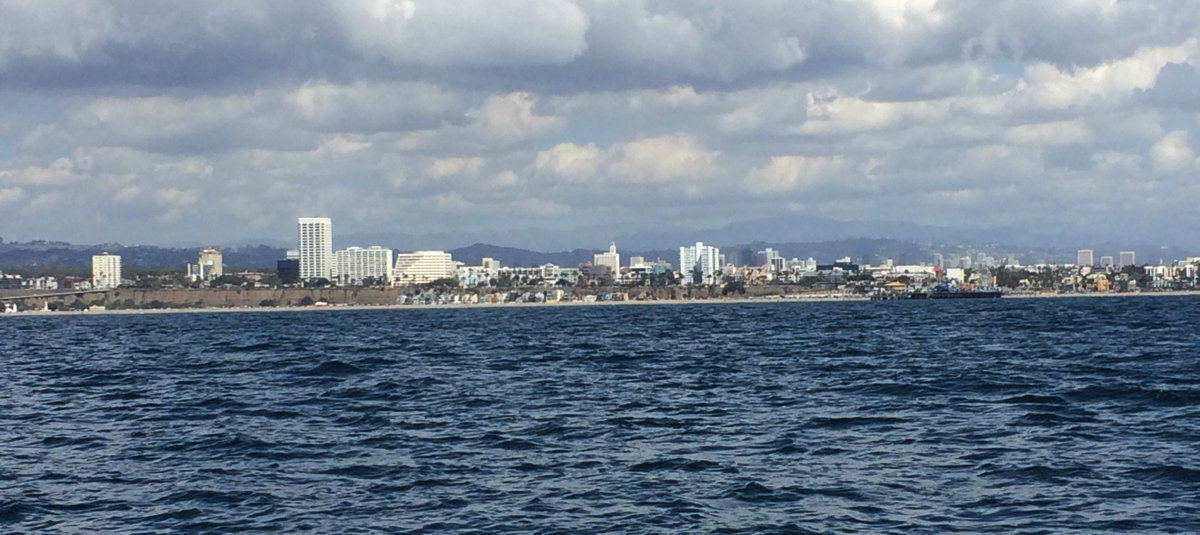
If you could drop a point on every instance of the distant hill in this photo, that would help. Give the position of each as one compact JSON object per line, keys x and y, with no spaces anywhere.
{"x":20,"y":257}
{"x":38,"y":253}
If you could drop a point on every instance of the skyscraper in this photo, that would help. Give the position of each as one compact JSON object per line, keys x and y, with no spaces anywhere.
{"x":106,"y":270}
{"x":316,"y":248}
{"x":1085,"y":257}
{"x":210,"y":264}
{"x":610,"y":259}
{"x":699,"y":264}
{"x":1127,"y":259}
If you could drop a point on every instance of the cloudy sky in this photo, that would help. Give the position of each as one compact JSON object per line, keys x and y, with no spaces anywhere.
{"x":151,"y":121}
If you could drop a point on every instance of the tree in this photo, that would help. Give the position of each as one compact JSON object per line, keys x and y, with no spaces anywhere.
{"x":307,"y":301}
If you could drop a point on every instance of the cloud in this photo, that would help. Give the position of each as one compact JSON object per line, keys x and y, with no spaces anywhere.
{"x":569,"y":160}
{"x":662,"y":159}
{"x":511,"y":118}
{"x":1173,"y":153}
{"x":1176,"y":86}
{"x":465,"y":32}
{"x":408,"y":114}
{"x":789,"y":173}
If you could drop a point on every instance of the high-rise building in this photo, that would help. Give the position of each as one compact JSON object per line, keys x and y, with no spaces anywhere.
{"x":422,"y":266}
{"x":939,"y":260}
{"x":1127,"y":259}
{"x":1106,"y":261}
{"x":106,"y":270}
{"x":210,"y":264}
{"x":356,"y":265}
{"x":316,"y":248}
{"x":771,"y":259}
{"x":699,"y":264}
{"x":610,"y":259}
{"x":1085,"y":257}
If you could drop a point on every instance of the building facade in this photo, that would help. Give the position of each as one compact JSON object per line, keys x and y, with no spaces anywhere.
{"x":209,"y":266}
{"x":610,"y":259}
{"x":355,"y":265}
{"x":1085,"y":257}
{"x":1127,"y":258}
{"x":419,"y":267}
{"x":316,"y":248}
{"x":699,"y":264}
{"x":106,"y":270}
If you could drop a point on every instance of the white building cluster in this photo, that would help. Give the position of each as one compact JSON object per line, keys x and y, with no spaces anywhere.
{"x":356,"y":266}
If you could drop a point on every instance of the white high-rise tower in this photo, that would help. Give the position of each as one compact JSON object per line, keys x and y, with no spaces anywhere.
{"x":316,"y":248}
{"x":702,"y":260}
{"x":106,"y":270}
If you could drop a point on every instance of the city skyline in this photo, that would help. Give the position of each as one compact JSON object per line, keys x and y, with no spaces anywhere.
{"x":599,"y":120}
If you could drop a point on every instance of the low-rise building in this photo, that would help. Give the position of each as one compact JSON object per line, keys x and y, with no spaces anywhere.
{"x":420,"y":267}
{"x":357,"y":266}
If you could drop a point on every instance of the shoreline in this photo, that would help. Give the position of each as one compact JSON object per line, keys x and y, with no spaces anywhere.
{"x":825,"y":298}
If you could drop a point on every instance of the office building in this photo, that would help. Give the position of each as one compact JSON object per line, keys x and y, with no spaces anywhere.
{"x":356,"y":266}
{"x":106,"y":270}
{"x":423,"y":266}
{"x":316,"y":248}
{"x":1127,"y":259}
{"x":771,"y":259}
{"x":699,"y":264}
{"x":1085,"y":257}
{"x":610,"y":259}
{"x":208,"y":266}
{"x":210,"y":263}
{"x":1106,"y":261}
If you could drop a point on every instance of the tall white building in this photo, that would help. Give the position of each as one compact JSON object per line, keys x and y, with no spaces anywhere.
{"x":1085,"y":257}
{"x":704,"y":259}
{"x":423,"y":266}
{"x":610,"y":259}
{"x":316,"y":248}
{"x":106,"y":270}
{"x":356,"y":264}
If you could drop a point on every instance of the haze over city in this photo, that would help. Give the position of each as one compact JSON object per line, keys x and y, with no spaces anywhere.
{"x":569,"y":123}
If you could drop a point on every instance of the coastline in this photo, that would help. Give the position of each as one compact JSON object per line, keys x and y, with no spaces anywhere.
{"x":823,"y":298}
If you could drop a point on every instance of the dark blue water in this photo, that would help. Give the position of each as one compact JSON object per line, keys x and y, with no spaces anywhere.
{"x":1001,"y":416}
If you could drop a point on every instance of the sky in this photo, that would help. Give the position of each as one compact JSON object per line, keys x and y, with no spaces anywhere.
{"x":160,"y":122}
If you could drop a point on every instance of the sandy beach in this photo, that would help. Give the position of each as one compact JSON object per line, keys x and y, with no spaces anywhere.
{"x":819,"y":298}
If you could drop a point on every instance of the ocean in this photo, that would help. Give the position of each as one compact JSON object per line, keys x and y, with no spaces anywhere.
{"x":978,"y":416}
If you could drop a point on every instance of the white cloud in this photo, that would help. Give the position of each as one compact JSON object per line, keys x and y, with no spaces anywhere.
{"x":792,"y":172}
{"x":465,"y":32}
{"x":456,"y":166}
{"x":1173,"y":153}
{"x":569,"y":160}
{"x":511,"y":118}
{"x":1047,"y":134}
{"x":61,"y":30}
{"x":407,"y":114}
{"x":662,"y":159}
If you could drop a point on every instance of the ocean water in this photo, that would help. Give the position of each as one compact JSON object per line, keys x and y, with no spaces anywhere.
{"x":990,"y":416}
